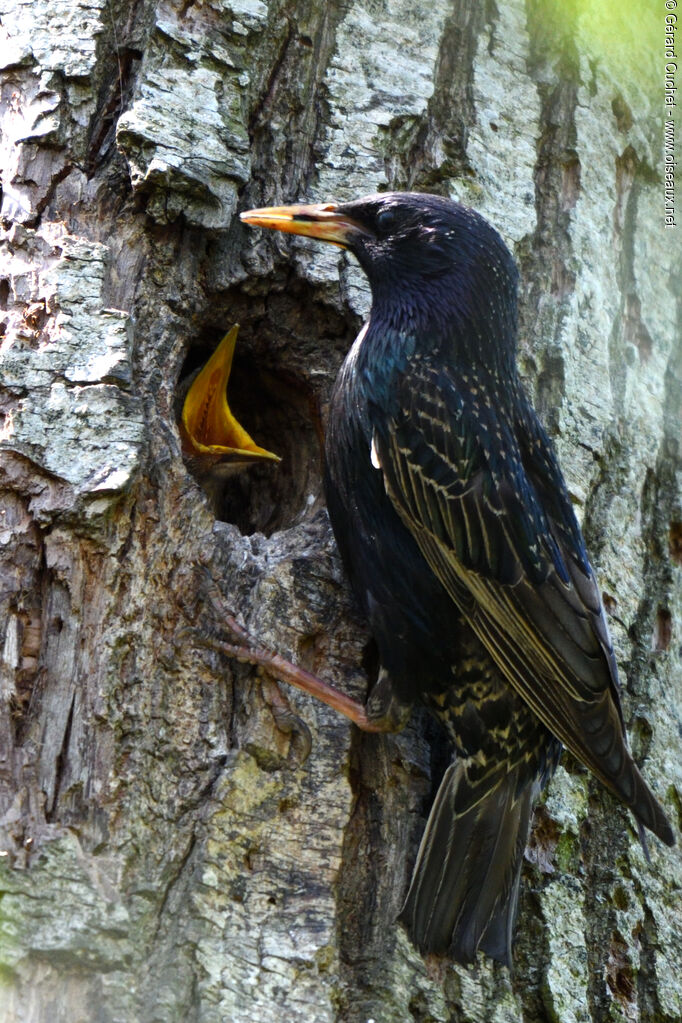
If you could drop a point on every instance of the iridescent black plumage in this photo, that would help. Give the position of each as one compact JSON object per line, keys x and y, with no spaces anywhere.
{"x":455,"y":526}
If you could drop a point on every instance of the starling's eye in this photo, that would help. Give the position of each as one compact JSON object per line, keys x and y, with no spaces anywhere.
{"x":387,"y":220}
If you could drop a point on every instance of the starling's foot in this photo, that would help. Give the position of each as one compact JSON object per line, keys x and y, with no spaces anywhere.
{"x":246,"y":650}
{"x":286,"y":720}
{"x":384,"y":709}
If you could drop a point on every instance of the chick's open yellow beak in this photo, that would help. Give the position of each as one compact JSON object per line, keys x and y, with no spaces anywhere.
{"x":322,"y":221}
{"x":208,"y":425}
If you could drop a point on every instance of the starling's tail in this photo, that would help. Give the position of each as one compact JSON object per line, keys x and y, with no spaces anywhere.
{"x":464,"y":889}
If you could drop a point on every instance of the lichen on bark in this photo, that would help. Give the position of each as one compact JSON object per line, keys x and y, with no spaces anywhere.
{"x":165,"y":854}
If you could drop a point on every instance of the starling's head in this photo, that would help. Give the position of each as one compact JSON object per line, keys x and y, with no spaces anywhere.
{"x":414,"y":248}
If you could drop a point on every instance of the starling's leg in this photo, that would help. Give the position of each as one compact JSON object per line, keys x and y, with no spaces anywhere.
{"x":247,"y":651}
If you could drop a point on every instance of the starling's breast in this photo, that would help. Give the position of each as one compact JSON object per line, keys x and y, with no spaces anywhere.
{"x":410,"y":614}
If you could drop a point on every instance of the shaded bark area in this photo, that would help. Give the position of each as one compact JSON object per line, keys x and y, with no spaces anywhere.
{"x":166,"y":855}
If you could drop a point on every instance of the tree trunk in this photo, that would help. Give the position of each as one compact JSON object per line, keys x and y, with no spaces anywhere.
{"x":169,"y":855}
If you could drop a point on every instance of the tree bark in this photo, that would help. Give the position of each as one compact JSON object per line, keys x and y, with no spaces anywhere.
{"x":167,"y":852}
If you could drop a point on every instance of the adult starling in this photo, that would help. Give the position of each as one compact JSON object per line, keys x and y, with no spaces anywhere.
{"x":455,"y":527}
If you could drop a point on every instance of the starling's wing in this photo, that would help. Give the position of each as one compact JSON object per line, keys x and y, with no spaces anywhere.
{"x":480,"y":489}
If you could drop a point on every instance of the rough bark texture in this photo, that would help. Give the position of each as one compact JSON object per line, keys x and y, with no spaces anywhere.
{"x":166,"y":855}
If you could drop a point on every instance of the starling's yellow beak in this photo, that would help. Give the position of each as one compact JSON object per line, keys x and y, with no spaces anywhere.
{"x":322,"y":221}
{"x":208,"y":426}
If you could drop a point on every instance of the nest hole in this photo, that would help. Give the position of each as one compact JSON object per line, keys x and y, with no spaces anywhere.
{"x":281,"y":413}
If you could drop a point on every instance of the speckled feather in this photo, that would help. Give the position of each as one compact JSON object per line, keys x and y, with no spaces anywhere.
{"x":454,"y":522}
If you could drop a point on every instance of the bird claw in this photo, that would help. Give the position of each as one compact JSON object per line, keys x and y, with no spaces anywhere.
{"x":384,"y":709}
{"x":287,"y":721}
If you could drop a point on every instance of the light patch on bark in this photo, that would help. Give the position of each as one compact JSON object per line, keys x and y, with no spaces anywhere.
{"x":66,"y":360}
{"x":61,"y":37}
{"x":382,"y":69}
{"x":568,"y":970}
{"x":197,"y":85}
{"x":502,"y":142}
